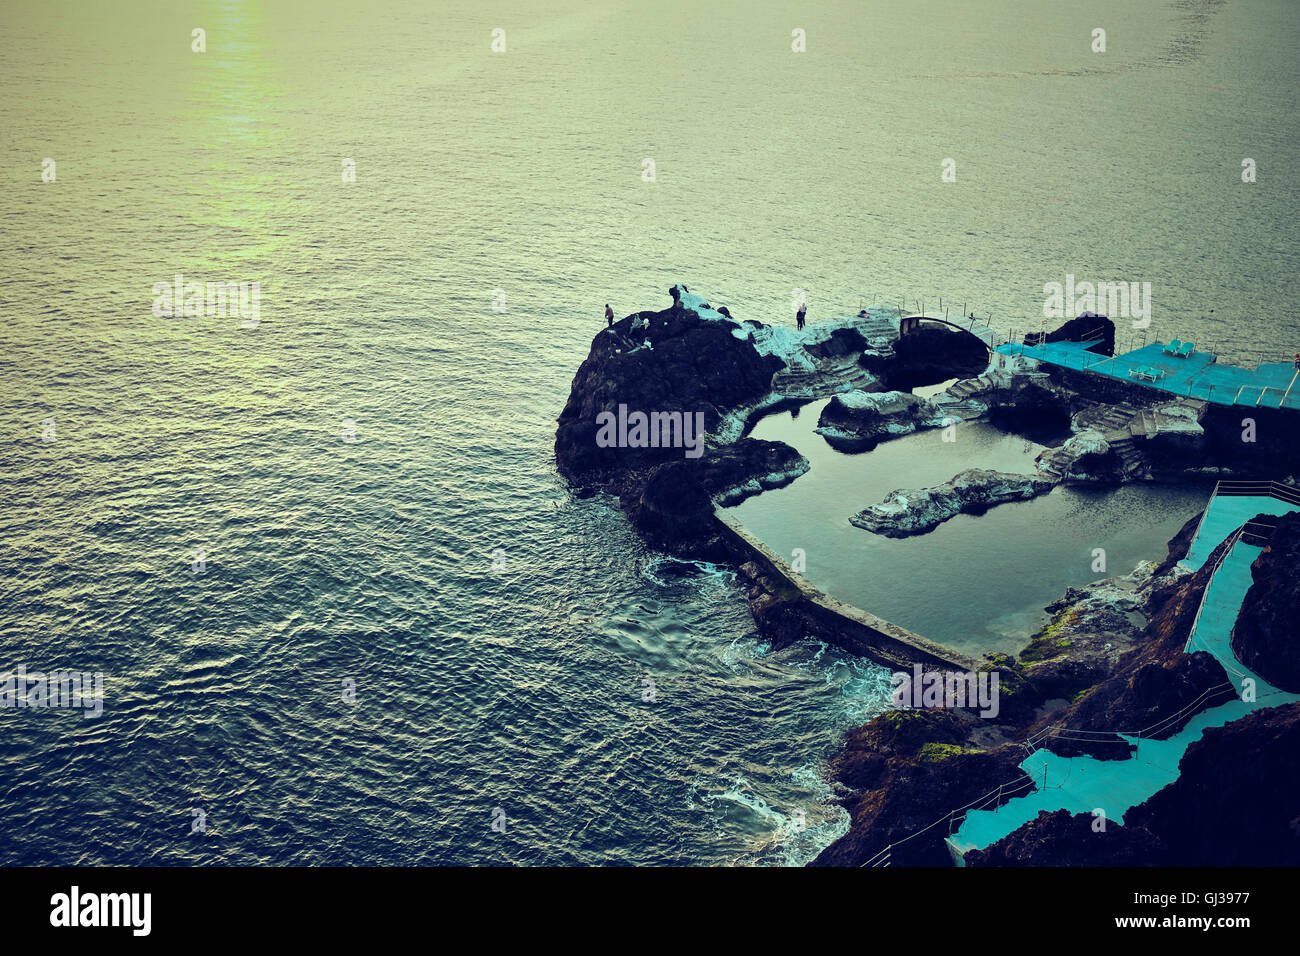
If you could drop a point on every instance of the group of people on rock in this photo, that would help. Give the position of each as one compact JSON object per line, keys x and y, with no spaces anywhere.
{"x":799,"y":316}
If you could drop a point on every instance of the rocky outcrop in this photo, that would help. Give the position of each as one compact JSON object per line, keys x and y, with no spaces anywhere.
{"x":1266,"y":637}
{"x":974,"y":491}
{"x":732,"y":473}
{"x":1064,"y":839}
{"x":1151,"y":683}
{"x":1091,"y":629}
{"x":687,"y":359}
{"x":1032,"y":406}
{"x":666,"y":361}
{"x":858,"y":421}
{"x":842,"y":342}
{"x":911,"y":768}
{"x":933,"y":354}
{"x":1084,"y":328}
{"x":1234,"y":802}
{"x":1093,"y":667}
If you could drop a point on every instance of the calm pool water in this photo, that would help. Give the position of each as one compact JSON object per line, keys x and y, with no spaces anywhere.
{"x":976,"y":583}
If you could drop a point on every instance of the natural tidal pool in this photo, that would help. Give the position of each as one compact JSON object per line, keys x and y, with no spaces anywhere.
{"x":975,"y":583}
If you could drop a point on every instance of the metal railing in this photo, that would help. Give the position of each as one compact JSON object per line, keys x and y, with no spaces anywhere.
{"x":1251,"y":532}
{"x":1258,"y":489}
{"x":1252,"y":489}
{"x":1014,"y":788}
{"x":1200,"y":608}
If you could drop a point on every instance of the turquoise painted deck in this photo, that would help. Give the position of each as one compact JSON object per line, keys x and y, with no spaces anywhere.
{"x":1198,"y":376}
{"x":1224,"y":515}
{"x":1084,"y":785}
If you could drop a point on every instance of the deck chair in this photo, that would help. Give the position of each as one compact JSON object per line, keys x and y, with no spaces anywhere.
{"x":1173,"y":347}
{"x":1186,"y":351}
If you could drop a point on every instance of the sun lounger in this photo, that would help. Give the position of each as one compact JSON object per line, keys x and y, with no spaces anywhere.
{"x":1173,"y":347}
{"x":1146,"y":373}
{"x":1186,"y":350}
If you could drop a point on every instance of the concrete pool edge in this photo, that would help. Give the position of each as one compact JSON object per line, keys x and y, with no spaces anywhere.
{"x":797,"y":602}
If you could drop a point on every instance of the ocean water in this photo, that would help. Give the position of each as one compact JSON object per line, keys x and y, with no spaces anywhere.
{"x":514,"y":178}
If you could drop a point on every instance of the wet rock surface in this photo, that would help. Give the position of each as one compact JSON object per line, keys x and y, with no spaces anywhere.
{"x":859,"y":420}
{"x":910,"y":768}
{"x":916,"y":511}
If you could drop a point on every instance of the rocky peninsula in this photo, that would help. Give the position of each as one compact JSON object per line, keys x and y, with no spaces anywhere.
{"x":1112,"y":654}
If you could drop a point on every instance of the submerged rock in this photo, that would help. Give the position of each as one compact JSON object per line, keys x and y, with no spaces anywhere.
{"x":974,"y":491}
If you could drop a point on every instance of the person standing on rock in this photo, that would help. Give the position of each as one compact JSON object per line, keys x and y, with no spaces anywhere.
{"x":798,"y":316}
{"x":609,"y":316}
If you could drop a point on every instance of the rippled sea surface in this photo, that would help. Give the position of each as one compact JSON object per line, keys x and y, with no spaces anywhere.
{"x":615,"y":707}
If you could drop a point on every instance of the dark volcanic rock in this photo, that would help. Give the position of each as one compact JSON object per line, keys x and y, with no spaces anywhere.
{"x":1034,"y":409}
{"x":1081,"y":329}
{"x":672,"y":510}
{"x":858,"y":421}
{"x":692,"y":365}
{"x":1266,"y":637}
{"x":1091,"y":628}
{"x":1152,"y":682}
{"x":913,"y":768}
{"x":841,"y":342}
{"x":1059,"y":839}
{"x":734,"y":472}
{"x":672,"y":505}
{"x":672,"y":361}
{"x":1179,"y":545}
{"x":1233,"y":804}
{"x":918,"y":510}
{"x":931,"y":354}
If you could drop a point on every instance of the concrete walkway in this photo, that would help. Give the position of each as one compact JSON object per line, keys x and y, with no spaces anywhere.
{"x":1224,"y":515}
{"x":1200,"y":375}
{"x":1086,"y":785}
